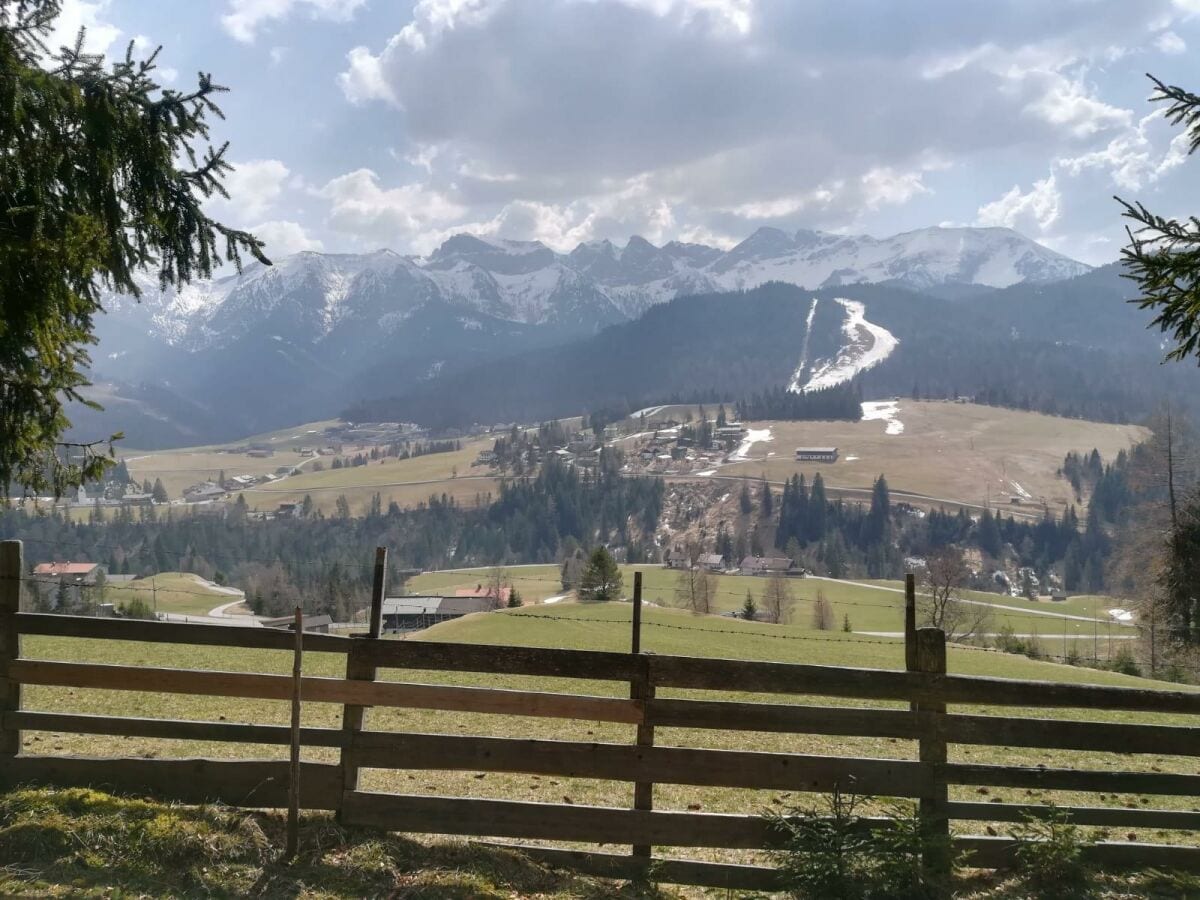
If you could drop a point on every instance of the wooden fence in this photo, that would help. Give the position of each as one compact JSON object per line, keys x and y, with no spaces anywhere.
{"x":924,"y":686}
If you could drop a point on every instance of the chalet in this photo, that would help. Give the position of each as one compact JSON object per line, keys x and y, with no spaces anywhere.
{"x":817,"y":454}
{"x":413,"y":613}
{"x":767,"y":565}
{"x":203,"y":492}
{"x":485,"y":592}
{"x":676,"y":559}
{"x":317,"y":624}
{"x":734,"y":432}
{"x":714,"y":562}
{"x":71,"y":578}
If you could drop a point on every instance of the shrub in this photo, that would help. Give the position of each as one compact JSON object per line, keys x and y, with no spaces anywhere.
{"x":1050,"y":855}
{"x":842,"y":856}
{"x":1125,"y":663}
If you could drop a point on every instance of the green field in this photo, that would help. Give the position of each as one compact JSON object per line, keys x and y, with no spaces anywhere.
{"x":873,"y":607}
{"x":946,"y":451}
{"x":173,"y":592}
{"x":600,"y":626}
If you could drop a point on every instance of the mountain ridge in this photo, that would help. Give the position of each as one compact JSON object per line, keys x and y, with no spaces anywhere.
{"x":301,"y":339}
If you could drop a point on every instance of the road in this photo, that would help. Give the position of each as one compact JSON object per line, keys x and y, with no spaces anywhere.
{"x":1004,"y":606}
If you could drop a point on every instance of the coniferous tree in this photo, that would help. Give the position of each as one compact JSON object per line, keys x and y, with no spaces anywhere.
{"x":601,"y":579}
{"x":102,"y":173}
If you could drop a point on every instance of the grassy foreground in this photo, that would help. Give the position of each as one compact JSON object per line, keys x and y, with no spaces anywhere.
{"x":83,"y":843}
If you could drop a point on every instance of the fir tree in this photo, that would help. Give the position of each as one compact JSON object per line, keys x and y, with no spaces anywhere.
{"x":749,"y":610}
{"x":601,"y":579}
{"x":103,"y":173}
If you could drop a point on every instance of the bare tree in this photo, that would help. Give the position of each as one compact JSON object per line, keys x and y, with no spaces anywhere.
{"x":495,"y":586}
{"x":777,"y":600}
{"x":696,"y":589}
{"x":822,"y":614}
{"x":942,"y":604}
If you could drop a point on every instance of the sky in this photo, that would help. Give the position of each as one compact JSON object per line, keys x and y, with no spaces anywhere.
{"x":360,"y":124}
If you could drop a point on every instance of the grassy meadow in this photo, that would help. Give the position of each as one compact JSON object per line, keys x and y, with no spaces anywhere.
{"x":869,"y":606}
{"x":954,"y":451}
{"x":573,"y":625}
{"x":171,"y":592}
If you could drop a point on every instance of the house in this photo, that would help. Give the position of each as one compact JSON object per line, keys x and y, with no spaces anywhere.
{"x":413,"y":613}
{"x":714,"y":562}
{"x":316,"y":624}
{"x":677,"y":559}
{"x":817,"y":454}
{"x":67,"y":580}
{"x":767,"y":565}
{"x":203,"y":493}
{"x":137,"y":498}
{"x":485,"y":458}
{"x":485,"y":592}
{"x":734,"y":432}
{"x":288,"y":510}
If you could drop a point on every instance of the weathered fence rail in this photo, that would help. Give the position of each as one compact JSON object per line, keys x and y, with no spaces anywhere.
{"x":643,"y":762}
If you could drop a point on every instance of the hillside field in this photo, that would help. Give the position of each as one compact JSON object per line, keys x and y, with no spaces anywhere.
{"x":877,"y":607}
{"x":598,"y":626}
{"x":407,"y":482}
{"x":171,"y":592}
{"x":958,"y":452}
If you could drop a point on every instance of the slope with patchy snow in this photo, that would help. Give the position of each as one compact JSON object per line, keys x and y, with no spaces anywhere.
{"x":867,"y":345}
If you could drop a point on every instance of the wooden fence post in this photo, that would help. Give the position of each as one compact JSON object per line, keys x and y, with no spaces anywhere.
{"x":360,"y":668}
{"x":12,"y":569}
{"x":910,"y":622}
{"x":929,"y":647}
{"x":642,"y":689}
{"x":293,"y":820}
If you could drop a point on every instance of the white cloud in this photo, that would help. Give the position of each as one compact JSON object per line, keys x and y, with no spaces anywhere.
{"x":1032,"y":212}
{"x":1069,"y":104}
{"x":1133,"y":159}
{"x":88,"y":14}
{"x":1170,"y":43}
{"x":393,"y":217}
{"x":883,"y":185}
{"x":364,"y":80}
{"x":283,"y":238}
{"x":253,"y":187}
{"x":245,"y":17}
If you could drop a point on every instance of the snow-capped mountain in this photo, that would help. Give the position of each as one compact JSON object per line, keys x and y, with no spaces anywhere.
{"x":309,"y":296}
{"x":299,"y":339}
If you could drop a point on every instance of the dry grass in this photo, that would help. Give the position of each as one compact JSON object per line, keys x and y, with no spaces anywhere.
{"x":956,"y":451}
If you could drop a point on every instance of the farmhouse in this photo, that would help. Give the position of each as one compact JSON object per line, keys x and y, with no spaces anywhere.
{"x":817,"y":454}
{"x":317,"y":624}
{"x":714,"y":562}
{"x":767,"y":565}
{"x":485,"y":593}
{"x":413,"y":613}
{"x":204,"y":492}
{"x":72,"y":577}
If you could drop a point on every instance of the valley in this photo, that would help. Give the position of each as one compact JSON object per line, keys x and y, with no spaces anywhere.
{"x":933,"y":453}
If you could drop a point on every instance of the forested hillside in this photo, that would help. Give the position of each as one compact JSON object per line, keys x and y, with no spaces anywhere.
{"x":709,"y":347}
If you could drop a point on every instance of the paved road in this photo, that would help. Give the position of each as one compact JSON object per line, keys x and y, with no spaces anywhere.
{"x":1004,"y":606}
{"x":1046,"y":636}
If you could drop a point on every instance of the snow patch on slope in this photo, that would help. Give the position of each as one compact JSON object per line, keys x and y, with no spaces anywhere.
{"x":867,"y":345}
{"x":794,"y":384}
{"x":753,"y":436}
{"x":885,"y":410}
